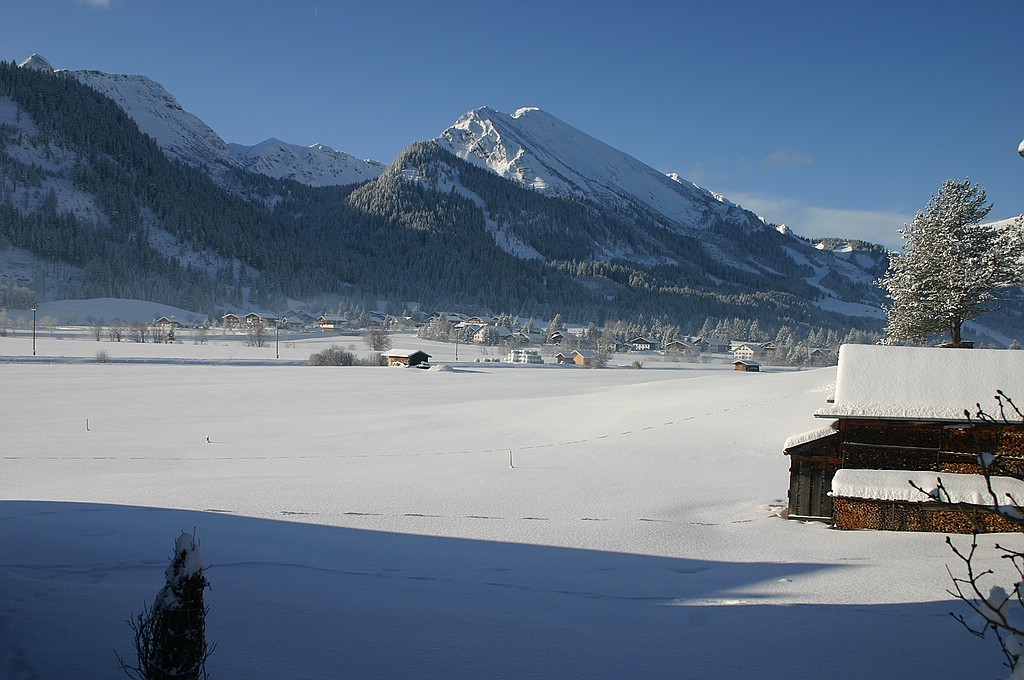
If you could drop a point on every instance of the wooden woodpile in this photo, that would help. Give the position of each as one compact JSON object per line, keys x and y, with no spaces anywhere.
{"x":940,"y":447}
{"x":859,"y":513}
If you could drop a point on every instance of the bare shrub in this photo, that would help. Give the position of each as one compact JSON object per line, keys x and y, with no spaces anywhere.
{"x":332,"y":356}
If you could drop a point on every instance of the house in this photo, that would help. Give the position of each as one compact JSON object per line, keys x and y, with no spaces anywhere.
{"x":747,"y":351}
{"x":562,"y":358}
{"x":254,"y":319}
{"x":406,"y":358}
{"x":821,"y":356}
{"x":899,"y":414}
{"x":558,"y":337}
{"x":491,"y":334}
{"x":328,"y":322}
{"x":231,"y":320}
{"x":643,"y":344}
{"x":525,"y":356}
{"x":716,"y":345}
{"x":747,"y":365}
{"x":165,"y":323}
{"x":524,"y":337}
{"x":583,"y":357}
{"x":680,"y":348}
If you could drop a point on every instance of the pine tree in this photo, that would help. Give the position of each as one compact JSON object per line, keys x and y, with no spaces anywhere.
{"x":951,"y":266}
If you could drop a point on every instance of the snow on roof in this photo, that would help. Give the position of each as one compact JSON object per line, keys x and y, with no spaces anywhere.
{"x":811,"y":435}
{"x":923,"y":383}
{"x":403,"y":353}
{"x":895,"y":485}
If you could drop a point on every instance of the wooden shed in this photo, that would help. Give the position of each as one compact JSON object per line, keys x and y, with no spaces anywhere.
{"x":902,"y":409}
{"x":583,"y":357}
{"x":407,"y":358}
{"x":747,"y":365}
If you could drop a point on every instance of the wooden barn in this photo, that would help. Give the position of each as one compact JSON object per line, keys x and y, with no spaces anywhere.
{"x":747,"y":365}
{"x":898,"y":415}
{"x":407,"y":358}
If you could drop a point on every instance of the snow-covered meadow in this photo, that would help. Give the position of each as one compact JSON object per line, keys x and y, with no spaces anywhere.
{"x":366,"y":523}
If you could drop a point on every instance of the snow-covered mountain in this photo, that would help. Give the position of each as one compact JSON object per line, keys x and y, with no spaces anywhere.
{"x":184,"y":137}
{"x":537,"y":150}
{"x":317,"y":165}
{"x":180,"y":134}
{"x":630,"y":238}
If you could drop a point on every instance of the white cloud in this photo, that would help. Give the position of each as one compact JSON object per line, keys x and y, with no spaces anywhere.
{"x":786,"y":159}
{"x":876,"y":226}
{"x":104,"y":4}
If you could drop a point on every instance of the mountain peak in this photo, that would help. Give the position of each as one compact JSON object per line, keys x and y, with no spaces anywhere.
{"x":37,"y":62}
{"x":525,"y":110}
{"x":315,"y":165}
{"x":537,"y":150}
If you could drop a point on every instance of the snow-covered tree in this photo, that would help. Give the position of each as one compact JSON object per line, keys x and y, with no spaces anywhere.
{"x":170,"y":638}
{"x":951,"y":266}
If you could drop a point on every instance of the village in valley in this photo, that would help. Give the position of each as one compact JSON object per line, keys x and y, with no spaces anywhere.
{"x":551,"y":342}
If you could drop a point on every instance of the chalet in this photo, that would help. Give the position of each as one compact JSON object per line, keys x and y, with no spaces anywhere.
{"x":746,"y":366}
{"x":254,"y":319}
{"x":716,"y":345}
{"x":231,"y":320}
{"x":680,"y":348}
{"x":487,"y":332}
{"x":558,"y":337}
{"x":747,"y":351}
{"x":328,"y":322}
{"x":696,"y":341}
{"x":165,"y":323}
{"x":406,"y":358}
{"x":821,"y":356}
{"x":300,"y":315}
{"x":643,"y":344}
{"x":523,"y":337}
{"x":899,"y":414}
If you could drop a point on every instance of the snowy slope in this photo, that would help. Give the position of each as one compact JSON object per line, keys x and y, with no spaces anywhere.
{"x":317,"y":165}
{"x":540,"y":151}
{"x":180,"y":134}
{"x":642,"y":541}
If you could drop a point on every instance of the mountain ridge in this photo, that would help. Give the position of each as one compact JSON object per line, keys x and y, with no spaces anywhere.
{"x":450,"y":231}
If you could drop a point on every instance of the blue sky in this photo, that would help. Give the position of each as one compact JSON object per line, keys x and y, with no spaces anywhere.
{"x":836,"y":118}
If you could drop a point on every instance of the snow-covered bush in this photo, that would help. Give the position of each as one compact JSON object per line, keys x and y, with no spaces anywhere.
{"x":170,"y":638}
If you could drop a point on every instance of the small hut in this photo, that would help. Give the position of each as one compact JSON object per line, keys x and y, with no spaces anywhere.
{"x":747,"y":365}
{"x":407,"y":358}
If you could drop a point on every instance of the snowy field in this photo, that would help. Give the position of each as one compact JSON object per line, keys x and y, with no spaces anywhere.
{"x":366,"y":523}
